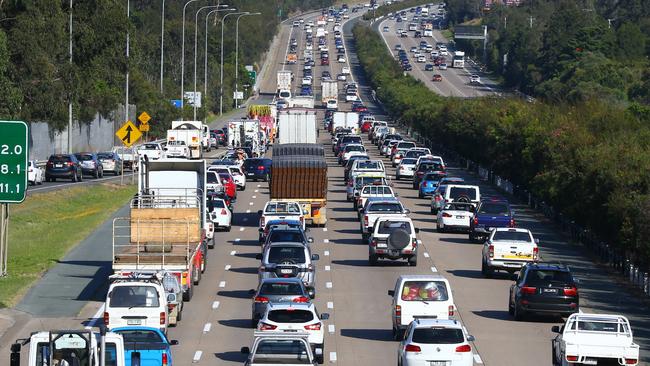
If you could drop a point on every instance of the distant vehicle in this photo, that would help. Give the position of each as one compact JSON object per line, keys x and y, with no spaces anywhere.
{"x":454,"y":216}
{"x":63,"y":166}
{"x":442,"y":66}
{"x":111,"y":162}
{"x":90,"y":164}
{"x":393,"y":238}
{"x":386,"y":29}
{"x":177,"y":149}
{"x":474,"y":79}
{"x":428,"y":67}
{"x":490,"y":214}
{"x":34,"y":173}
{"x":437,"y":77}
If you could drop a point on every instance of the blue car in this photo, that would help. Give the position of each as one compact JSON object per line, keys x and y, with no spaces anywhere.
{"x":490,"y":213}
{"x":305,"y":90}
{"x":279,"y":222}
{"x":146,"y":346}
{"x":428,"y":183}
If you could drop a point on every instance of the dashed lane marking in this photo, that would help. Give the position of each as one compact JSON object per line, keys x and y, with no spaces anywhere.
{"x":241,"y":229}
{"x":259,"y":185}
{"x":324,"y":229}
{"x":426,"y":255}
{"x":222,"y":284}
{"x":330,"y":305}
{"x":331,"y":329}
{"x":328,"y":284}
{"x":254,"y":197}
{"x":227,"y":267}
{"x":434,"y":269}
{"x":478,"y":359}
{"x":257,"y":190}
{"x":197,"y":356}
{"x":96,"y":317}
{"x":207,"y":327}
{"x":215,"y":305}
{"x":251,"y":203}
{"x":326,"y":241}
{"x":332,"y":356}
{"x":327,"y":268}
{"x":326,"y":253}
{"x":233,"y":252}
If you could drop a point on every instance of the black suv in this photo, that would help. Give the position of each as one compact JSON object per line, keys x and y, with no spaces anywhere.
{"x":63,"y":166}
{"x":547,"y":288}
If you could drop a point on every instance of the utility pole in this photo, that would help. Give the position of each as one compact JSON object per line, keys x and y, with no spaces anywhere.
{"x":162,"y":46}
{"x":531,"y":21}
{"x":70,"y":91}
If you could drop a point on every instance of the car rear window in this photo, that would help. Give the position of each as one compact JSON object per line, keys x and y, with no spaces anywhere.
{"x":369,"y":165}
{"x":433,"y":177}
{"x":538,"y":277}
{"x":217,"y":203}
{"x":279,"y":254}
{"x":406,"y":145}
{"x":140,"y":336}
{"x":425,"y":291}
{"x":415,"y":154}
{"x":291,"y":316}
{"x":60,"y":159}
{"x":354,"y":148}
{"x":282,"y":207}
{"x":134,"y":296}
{"x":409,"y":161}
{"x":276,"y":351}
{"x":211,"y":178}
{"x":457,"y":192}
{"x":351,"y":140}
{"x":84,"y":157}
{"x":436,"y":335}
{"x":458,"y":207}
{"x":429,"y":166}
{"x":387,"y":227}
{"x":495,"y":209}
{"x":385,"y":207}
{"x":105,"y":156}
{"x":150,"y":147}
{"x":281,"y":288}
{"x":511,"y":235}
{"x":290,"y":236}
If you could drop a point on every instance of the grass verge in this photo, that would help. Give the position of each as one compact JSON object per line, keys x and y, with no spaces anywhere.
{"x":46,"y":226}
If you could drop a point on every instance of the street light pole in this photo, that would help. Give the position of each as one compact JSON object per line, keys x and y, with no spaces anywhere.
{"x":223,"y":21}
{"x":205,"y":61}
{"x":183,"y":56}
{"x":128,"y":39}
{"x":162,"y":45}
{"x":70,"y":91}
{"x":237,"y":55}
{"x":196,"y":36}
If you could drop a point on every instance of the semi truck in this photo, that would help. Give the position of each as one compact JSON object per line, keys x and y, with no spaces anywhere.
{"x":302,"y":101}
{"x":458,"y":60}
{"x":299,"y":174}
{"x":167,"y":223}
{"x":329,"y":91}
{"x":427,"y":30}
{"x":284,"y":84}
{"x":246,"y":133}
{"x":297,"y":126}
{"x":345,"y":120}
{"x":195,"y":134}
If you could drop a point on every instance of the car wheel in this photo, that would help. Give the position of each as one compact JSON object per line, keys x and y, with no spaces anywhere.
{"x":486,"y":271}
{"x":511,"y":309}
{"x":472,"y":238}
{"x":519,"y":313}
{"x":372,"y":259}
{"x":420,"y":195}
{"x":74,"y":178}
{"x":439,"y":229}
{"x":196,"y":276}
{"x":415,"y":186}
{"x":254,"y":322}
{"x":397,"y":177}
{"x":187,"y":295}
{"x":81,"y":176}
{"x":211,"y":243}
{"x":413,"y":261}
{"x":243,"y":188}
{"x":96,"y":174}
{"x":52,"y":179}
{"x":228,"y":228}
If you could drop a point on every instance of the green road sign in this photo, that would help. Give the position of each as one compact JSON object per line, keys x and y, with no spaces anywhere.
{"x":14,"y":153}
{"x":252,"y":75}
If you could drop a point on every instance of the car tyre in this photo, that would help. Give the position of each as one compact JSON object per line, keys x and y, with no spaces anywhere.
{"x":511,"y":309}
{"x":228,"y":228}
{"x":486,"y":271}
{"x":196,"y":276}
{"x":439,"y":228}
{"x":96,"y":174}
{"x":413,"y":261}
{"x":420,"y":195}
{"x":74,"y":178}
{"x":187,"y":295}
{"x":372,"y":259}
{"x":518,"y":313}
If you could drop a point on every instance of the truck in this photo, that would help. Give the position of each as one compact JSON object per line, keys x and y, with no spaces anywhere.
{"x":71,"y":347}
{"x":267,"y":115}
{"x":153,"y":150}
{"x":292,"y":59}
{"x":508,"y":249}
{"x":299,"y":174}
{"x":345,"y":120}
{"x":193,"y":133}
{"x":594,"y":339}
{"x":167,"y":223}
{"x":297,"y":125}
{"x":246,"y":133}
{"x":458,"y":60}
{"x":284,"y":84}
{"x":329,"y":91}
{"x":302,"y":101}
{"x":427,"y":30}
{"x":129,"y":156}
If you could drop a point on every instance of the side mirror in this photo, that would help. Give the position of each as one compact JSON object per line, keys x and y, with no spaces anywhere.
{"x":417,"y":230}
{"x":357,"y":194}
{"x":391,"y":292}
{"x":171,"y":298}
{"x":315,"y":257}
{"x":324,"y":316}
{"x":251,"y":292}
{"x":259,"y":212}
{"x":173,"y":342}
{"x":555,"y":329}
{"x":470,"y":338}
{"x":305,"y":212}
{"x":407,"y":211}
{"x":310,"y":240}
{"x":536,"y":241}
{"x":311,"y":293}
{"x":260,"y":230}
{"x":258,"y":257}
{"x":14,"y":358}
{"x":396,"y":194}
{"x":245,"y":350}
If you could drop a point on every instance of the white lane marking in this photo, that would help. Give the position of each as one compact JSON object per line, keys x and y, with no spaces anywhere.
{"x":75,"y":184}
{"x":215,"y":305}
{"x":324,"y":229}
{"x":326,"y":241}
{"x":330,"y":305}
{"x":332,"y":356}
{"x":331,"y":329}
{"x":237,"y":240}
{"x":197,"y":356}
{"x":328,"y":284}
{"x":227,"y":267}
{"x":222,"y":284}
{"x":434,"y":269}
{"x":259,"y":185}
{"x":251,"y":203}
{"x":257,"y":190}
{"x":326,"y":253}
{"x":327,"y":268}
{"x":95,"y":319}
{"x":478,"y":359}
{"x":248,"y":211}
{"x":233,"y":252}
{"x":426,"y":255}
{"x":254,"y":197}
{"x":241,"y":229}
{"x":207,"y":327}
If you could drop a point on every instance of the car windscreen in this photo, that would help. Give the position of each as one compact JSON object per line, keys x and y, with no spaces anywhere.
{"x":291,"y":316}
{"x":286,"y":236}
{"x":281,"y":288}
{"x":457,"y":192}
{"x":494,"y":209}
{"x":387,"y":227}
{"x":140,"y":336}
{"x":433,"y":177}
{"x":511,"y":235}
{"x":281,"y":351}
{"x":385,"y":207}
{"x":425,"y":291}
{"x":354,"y":148}
{"x":367,"y":181}
{"x":539,"y":277}
{"x":436,"y":335}
{"x":278,"y":254}
{"x":134,"y":296}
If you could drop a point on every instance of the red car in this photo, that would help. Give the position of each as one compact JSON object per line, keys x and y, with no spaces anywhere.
{"x":359,"y":108}
{"x":365,"y":127}
{"x":437,"y":77}
{"x":324,"y":61}
{"x":229,"y":186}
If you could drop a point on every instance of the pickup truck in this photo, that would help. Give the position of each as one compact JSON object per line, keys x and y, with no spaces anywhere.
{"x":594,"y":339}
{"x":129,"y":156}
{"x":508,"y":249}
{"x":382,"y":191}
{"x":490,"y":214}
{"x":152,"y":150}
{"x":281,"y":210}
{"x":279,"y":348}
{"x":177,"y":149}
{"x":379,"y":207}
{"x":146,"y":346}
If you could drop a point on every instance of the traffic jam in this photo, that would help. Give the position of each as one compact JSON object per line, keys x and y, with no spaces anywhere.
{"x":290,"y":161}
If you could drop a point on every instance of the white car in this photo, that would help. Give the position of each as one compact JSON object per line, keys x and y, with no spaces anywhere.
{"x":442,"y":66}
{"x":508,"y":249}
{"x":405,"y":169}
{"x":436,"y":342}
{"x":306,"y":81}
{"x":345,"y":70}
{"x":309,"y":46}
{"x":434,"y":54}
{"x":341,"y":77}
{"x":34,"y":173}
{"x":444,"y":52}
{"x":454,"y":216}
{"x":290,"y":317}
{"x":332,"y":104}
{"x":422,"y":59}
{"x":474,"y":79}
{"x":220,"y":215}
{"x":341,"y":59}
{"x":238,"y":176}
{"x":213,"y":182}
{"x":351,"y":97}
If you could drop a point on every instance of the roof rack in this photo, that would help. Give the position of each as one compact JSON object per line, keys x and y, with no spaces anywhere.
{"x":139,"y":276}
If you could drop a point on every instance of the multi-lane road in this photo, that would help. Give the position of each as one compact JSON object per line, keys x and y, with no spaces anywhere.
{"x":216,"y":321}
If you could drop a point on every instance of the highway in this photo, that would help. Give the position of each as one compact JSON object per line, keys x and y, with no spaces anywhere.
{"x":216,"y":322}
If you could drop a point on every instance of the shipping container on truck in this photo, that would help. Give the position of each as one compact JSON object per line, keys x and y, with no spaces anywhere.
{"x":266,"y":114}
{"x":299,"y":174}
{"x":297,"y":125}
{"x":329,"y":91}
{"x":302,"y":101}
{"x":166,"y":227}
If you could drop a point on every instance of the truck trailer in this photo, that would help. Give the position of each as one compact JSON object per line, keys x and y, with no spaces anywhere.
{"x":297,"y":126}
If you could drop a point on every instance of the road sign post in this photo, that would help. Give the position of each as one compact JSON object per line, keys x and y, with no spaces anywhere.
{"x":14,"y":155}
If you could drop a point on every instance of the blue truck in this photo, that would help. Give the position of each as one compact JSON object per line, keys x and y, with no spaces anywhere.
{"x":490,"y":213}
{"x":145,"y":346}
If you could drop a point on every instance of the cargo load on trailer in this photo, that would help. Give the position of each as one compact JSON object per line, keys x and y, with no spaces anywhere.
{"x":266,"y":114}
{"x":247,"y":133}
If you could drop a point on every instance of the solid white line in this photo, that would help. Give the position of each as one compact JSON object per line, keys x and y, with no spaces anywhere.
{"x":222,"y":284}
{"x":426,"y":255}
{"x":206,"y":327}
{"x":197,"y":356}
{"x":233,"y":252}
{"x":328,"y":284}
{"x":327,"y":268}
{"x":227,"y":268}
{"x":330,"y":305}
{"x":326,"y":253}
{"x":331,"y":329}
{"x":215,"y":305}
{"x":477,"y":359}
{"x":326,"y":241}
{"x":95,"y":319}
{"x":434,"y":269}
{"x":332,"y":356}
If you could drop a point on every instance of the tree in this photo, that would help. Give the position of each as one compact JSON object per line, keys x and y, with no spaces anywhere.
{"x":631,"y":41}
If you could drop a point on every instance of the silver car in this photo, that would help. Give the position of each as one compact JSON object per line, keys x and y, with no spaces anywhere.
{"x":288,"y":260}
{"x":274,"y":290}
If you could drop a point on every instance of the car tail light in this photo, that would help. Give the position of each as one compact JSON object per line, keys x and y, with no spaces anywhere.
{"x":262,"y":221}
{"x":415,"y":244}
{"x":631,"y":361}
{"x":424,"y":184}
{"x":365,"y":220}
{"x":445,"y":214}
{"x":49,"y":163}
{"x":262,"y":299}
{"x":70,"y":163}
{"x":265,"y":326}
{"x":261,"y":167}
{"x":184,"y":279}
{"x":223,"y":211}
{"x":398,"y":311}
{"x":512,"y":223}
{"x":527,"y":290}
{"x":313,"y":326}
{"x":412,"y":348}
{"x":106,"y":318}
{"x":450,"y":310}
{"x":491,"y":251}
{"x":571,"y":358}
{"x":373,"y":243}
{"x":535,"y":253}
{"x":165,"y":359}
{"x":571,"y":291}
{"x":163,"y":317}
{"x":464,"y":348}
{"x":301,"y":299}
{"x":475,"y":220}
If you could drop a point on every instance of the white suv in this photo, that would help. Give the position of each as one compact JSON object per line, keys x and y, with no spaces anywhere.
{"x":436,"y":342}
{"x":393,"y":238}
{"x":296,"y":317}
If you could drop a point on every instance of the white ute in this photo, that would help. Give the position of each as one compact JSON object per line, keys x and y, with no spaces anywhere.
{"x":508,"y":249}
{"x":595,"y":339}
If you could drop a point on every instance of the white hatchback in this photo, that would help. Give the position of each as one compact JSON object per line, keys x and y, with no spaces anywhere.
{"x":220,"y":215}
{"x":454,"y":216}
{"x":436,"y":342}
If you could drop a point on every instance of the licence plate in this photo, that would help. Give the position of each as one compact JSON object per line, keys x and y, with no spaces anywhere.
{"x":517,"y":256}
{"x":251,"y":173}
{"x":58,"y":165}
{"x":460,"y":217}
{"x":381,"y":245}
{"x":133,"y":322}
{"x":549,"y":290}
{"x":437,"y":363}
{"x":286,"y":271}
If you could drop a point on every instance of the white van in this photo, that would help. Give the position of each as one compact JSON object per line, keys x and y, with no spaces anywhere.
{"x":420,"y":296}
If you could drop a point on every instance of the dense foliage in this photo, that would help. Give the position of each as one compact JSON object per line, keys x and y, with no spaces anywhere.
{"x":567,"y":50}
{"x":590,"y":160}
{"x":37,"y":80}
